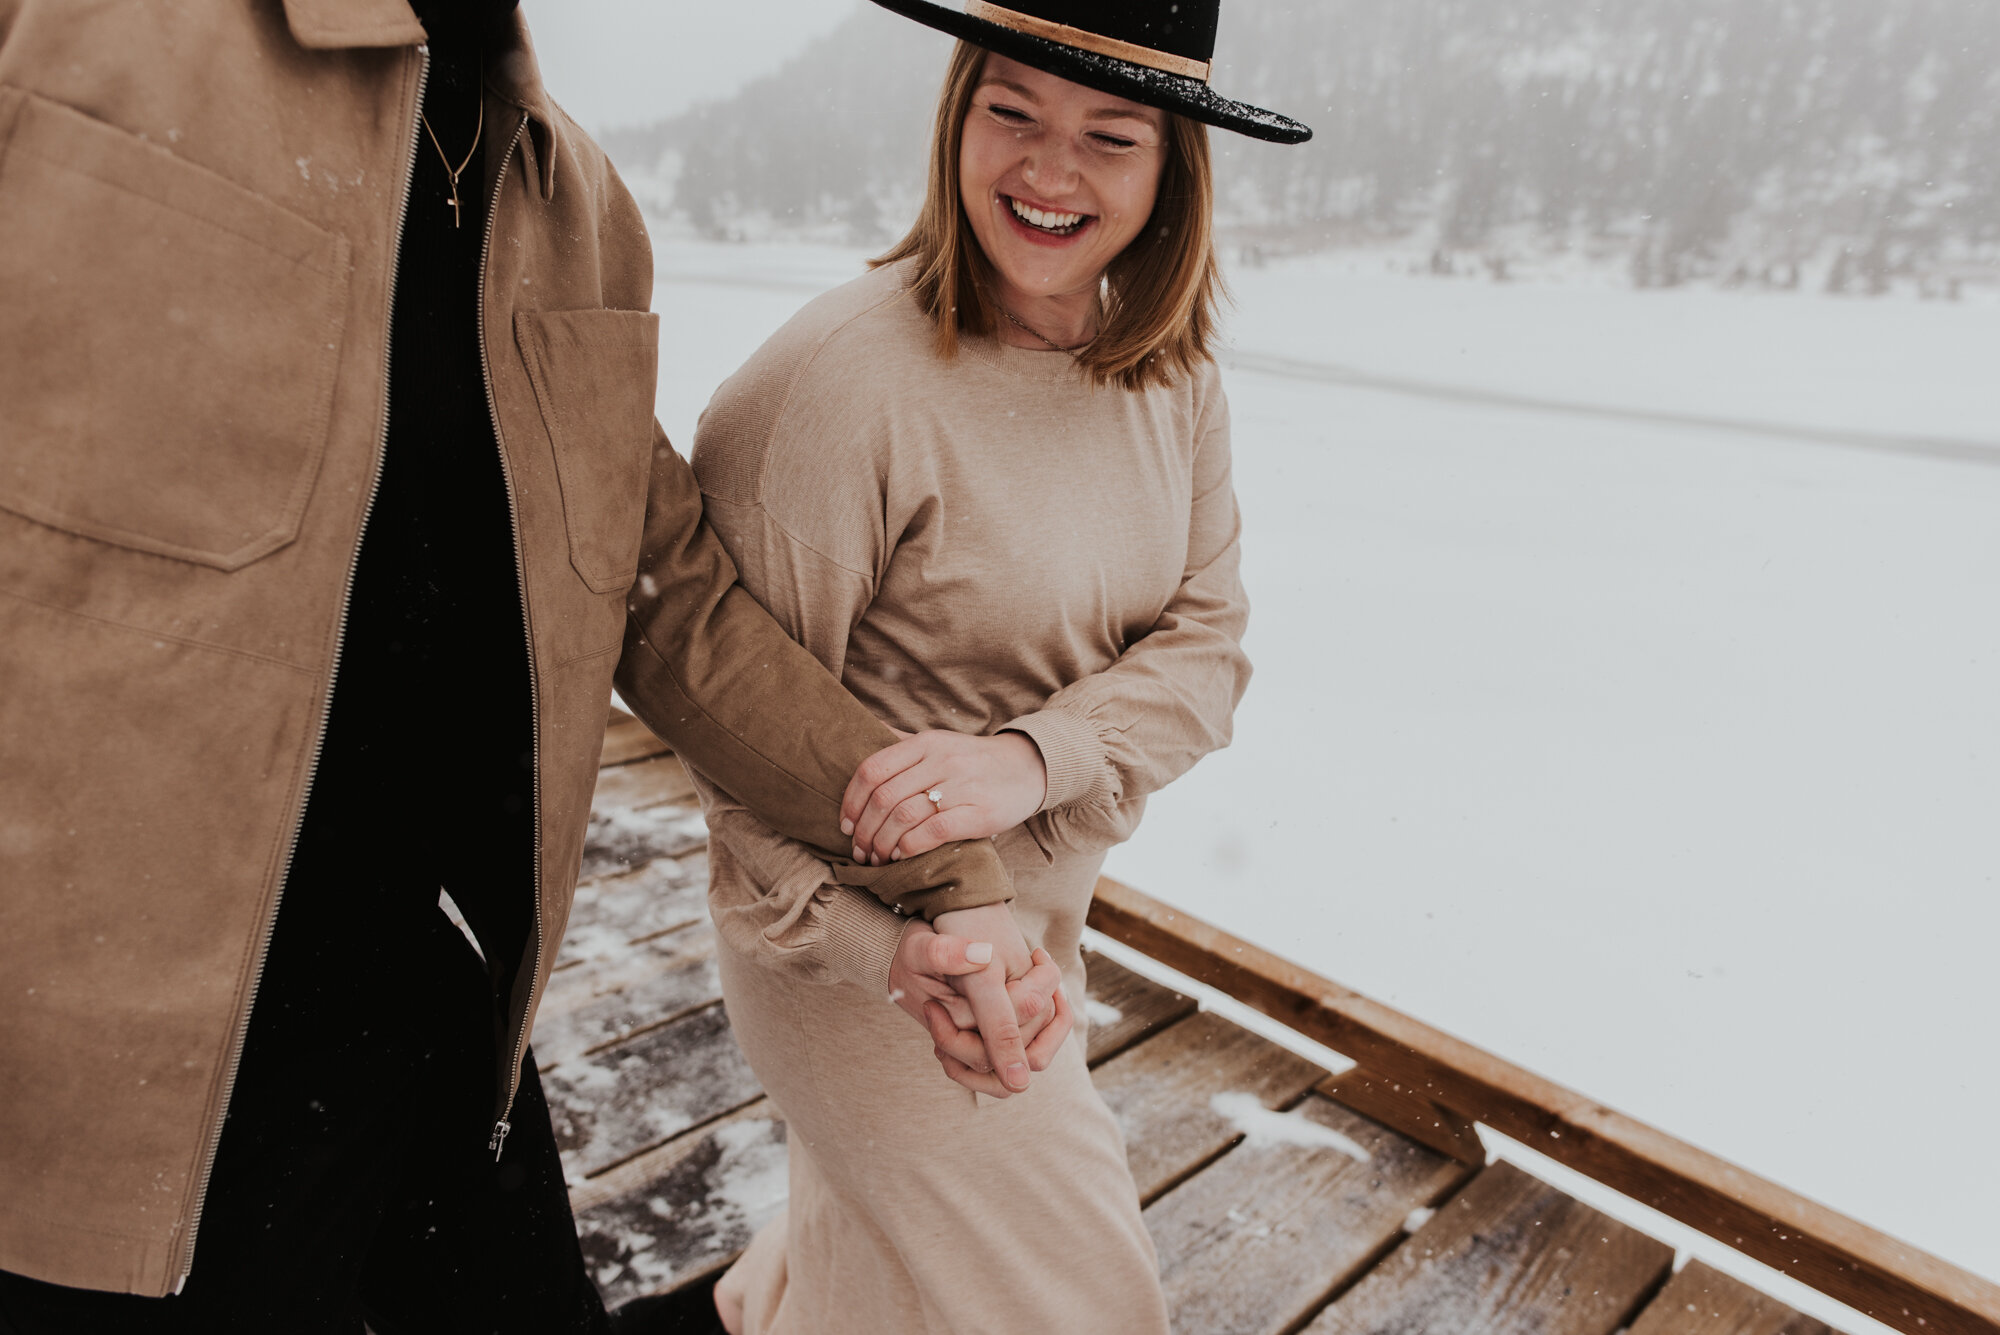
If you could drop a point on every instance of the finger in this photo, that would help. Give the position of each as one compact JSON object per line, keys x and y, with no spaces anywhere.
{"x":962,"y":1044}
{"x":1043,"y":1050}
{"x":959,"y":1009}
{"x":1031,"y":1006}
{"x":940,"y":828}
{"x":901,"y":791}
{"x":871,"y":773}
{"x":1044,"y":979}
{"x":1032,"y":1010}
{"x":942,"y":956}
{"x":994,"y":1010}
{"x":909,"y":809}
{"x":1034,"y":994}
{"x":979,"y":1082}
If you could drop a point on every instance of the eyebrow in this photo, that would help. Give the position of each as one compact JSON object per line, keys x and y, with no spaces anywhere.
{"x":1101,"y":114}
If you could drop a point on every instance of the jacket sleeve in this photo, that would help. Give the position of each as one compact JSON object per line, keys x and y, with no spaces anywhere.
{"x":775,"y":903}
{"x":773,"y":899}
{"x":706,"y":668}
{"x":1113,"y":737}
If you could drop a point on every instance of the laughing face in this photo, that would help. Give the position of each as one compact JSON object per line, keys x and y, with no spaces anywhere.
{"x":1056,"y":179}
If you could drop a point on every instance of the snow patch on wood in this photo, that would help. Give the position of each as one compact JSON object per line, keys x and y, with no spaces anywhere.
{"x":1260,"y":1126}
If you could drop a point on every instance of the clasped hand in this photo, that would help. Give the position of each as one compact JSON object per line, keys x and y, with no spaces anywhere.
{"x":995,"y":1010}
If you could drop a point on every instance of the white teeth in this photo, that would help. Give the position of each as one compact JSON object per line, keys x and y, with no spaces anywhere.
{"x":1047,"y":221}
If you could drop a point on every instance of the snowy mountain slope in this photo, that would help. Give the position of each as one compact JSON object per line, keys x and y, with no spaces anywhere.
{"x":1849,"y":144}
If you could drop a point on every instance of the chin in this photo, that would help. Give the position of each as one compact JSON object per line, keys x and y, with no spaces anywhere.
{"x":1044,"y":279}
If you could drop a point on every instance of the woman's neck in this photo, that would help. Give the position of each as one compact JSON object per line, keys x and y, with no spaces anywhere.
{"x":1065,"y":320}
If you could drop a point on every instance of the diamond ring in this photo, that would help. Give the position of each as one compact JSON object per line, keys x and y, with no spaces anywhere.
{"x":936,"y":796}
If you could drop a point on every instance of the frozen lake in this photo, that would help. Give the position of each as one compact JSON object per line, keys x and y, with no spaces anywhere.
{"x":1626,"y":697}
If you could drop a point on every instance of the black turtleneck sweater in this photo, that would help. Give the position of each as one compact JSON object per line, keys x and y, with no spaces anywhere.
{"x":425,"y":776}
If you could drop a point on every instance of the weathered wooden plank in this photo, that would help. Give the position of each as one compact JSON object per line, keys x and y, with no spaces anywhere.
{"x":626,"y":739}
{"x":679,"y":1213}
{"x":1125,"y":1006}
{"x":1509,"y":1255}
{"x":610,"y":913}
{"x":613,"y":1103}
{"x":1702,"y":1301}
{"x":1891,"y":1281}
{"x":1402,"y":1109}
{"x":612,"y":998}
{"x":660,"y":781}
{"x":621,"y":840}
{"x":1178,"y":1094}
{"x":1255,"y":1242}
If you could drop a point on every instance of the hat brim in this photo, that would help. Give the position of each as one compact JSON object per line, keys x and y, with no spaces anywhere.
{"x":1108,"y":74}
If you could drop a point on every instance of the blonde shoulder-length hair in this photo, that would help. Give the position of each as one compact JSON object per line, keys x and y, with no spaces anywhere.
{"x":1160,"y":293}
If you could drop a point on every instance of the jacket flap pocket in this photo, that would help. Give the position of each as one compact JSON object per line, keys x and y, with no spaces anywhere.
{"x":171,"y":343}
{"x":593,"y":373}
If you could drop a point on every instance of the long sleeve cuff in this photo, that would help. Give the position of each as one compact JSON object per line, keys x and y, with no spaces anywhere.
{"x":861,"y":938}
{"x":1071,"y":749}
{"x":952,"y":876}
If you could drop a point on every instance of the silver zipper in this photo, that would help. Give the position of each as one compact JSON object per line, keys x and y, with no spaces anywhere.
{"x":501,"y":1126}
{"x":209,"y":1147}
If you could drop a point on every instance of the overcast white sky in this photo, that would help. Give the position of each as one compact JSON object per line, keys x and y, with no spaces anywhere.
{"x":631,"y":62}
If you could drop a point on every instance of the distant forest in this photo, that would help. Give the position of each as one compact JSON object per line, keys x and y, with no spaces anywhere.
{"x":1846,"y":144}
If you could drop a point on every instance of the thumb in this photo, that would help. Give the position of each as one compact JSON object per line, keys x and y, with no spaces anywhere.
{"x":953,"y":956}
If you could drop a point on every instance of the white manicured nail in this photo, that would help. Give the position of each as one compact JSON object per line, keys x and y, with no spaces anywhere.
{"x":980,"y":952}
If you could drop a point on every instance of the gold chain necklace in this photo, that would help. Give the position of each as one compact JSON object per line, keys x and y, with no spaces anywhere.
{"x":457,"y":217}
{"x":1018,"y":323}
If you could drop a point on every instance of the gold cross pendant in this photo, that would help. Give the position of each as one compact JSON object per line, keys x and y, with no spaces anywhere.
{"x":457,"y":212}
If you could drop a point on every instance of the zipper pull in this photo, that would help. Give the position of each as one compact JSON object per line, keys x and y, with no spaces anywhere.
{"x":499,"y":1137}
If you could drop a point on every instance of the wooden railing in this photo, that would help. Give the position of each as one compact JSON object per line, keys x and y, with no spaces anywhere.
{"x":1426,"y":1084}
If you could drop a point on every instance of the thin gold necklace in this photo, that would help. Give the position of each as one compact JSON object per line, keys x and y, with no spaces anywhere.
{"x":457,"y":216}
{"x":1018,"y":323}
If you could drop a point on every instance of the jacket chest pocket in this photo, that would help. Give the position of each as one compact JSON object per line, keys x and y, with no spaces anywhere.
{"x":593,"y":373}
{"x":168,"y":343}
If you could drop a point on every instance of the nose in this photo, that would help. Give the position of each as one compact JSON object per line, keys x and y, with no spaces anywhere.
{"x":1051,"y":168}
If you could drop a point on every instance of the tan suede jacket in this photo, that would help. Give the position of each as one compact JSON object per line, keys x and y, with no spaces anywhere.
{"x":199,"y":214}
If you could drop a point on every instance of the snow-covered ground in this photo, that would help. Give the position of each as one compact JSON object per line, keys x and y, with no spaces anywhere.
{"x":1659,"y":755}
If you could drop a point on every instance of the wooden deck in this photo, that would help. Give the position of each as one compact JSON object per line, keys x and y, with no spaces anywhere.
{"x":1275,"y":1203}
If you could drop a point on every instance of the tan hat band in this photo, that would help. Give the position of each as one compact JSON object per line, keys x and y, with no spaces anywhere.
{"x":1028,"y":24}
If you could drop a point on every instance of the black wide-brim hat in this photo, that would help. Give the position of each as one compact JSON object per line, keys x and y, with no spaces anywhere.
{"x":1155,"y":52}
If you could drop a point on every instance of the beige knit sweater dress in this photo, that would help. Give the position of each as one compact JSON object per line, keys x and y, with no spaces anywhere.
{"x":978,"y":544}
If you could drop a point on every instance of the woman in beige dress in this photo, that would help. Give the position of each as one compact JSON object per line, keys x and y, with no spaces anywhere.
{"x":988,"y":484}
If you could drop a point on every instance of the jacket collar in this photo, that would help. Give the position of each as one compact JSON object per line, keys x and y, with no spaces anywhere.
{"x":511,"y":74}
{"x":331,"y":25}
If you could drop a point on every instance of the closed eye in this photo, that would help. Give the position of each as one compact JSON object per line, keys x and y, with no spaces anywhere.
{"x":1113,"y":141}
{"x":1010,"y":115}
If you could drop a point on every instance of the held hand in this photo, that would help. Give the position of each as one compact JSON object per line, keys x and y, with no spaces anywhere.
{"x":984,"y":785}
{"x":1003,"y":1043}
{"x":1041,"y":1009}
{"x":923,"y":974}
{"x":926,"y":963}
{"x":993,"y":923}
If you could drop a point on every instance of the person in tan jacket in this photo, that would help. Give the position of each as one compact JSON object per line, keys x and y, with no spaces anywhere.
{"x":331,"y":507}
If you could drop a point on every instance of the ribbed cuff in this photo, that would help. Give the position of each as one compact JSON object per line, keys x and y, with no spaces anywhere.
{"x":956,"y":876}
{"x":1071,"y":750}
{"x":861,"y":937}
